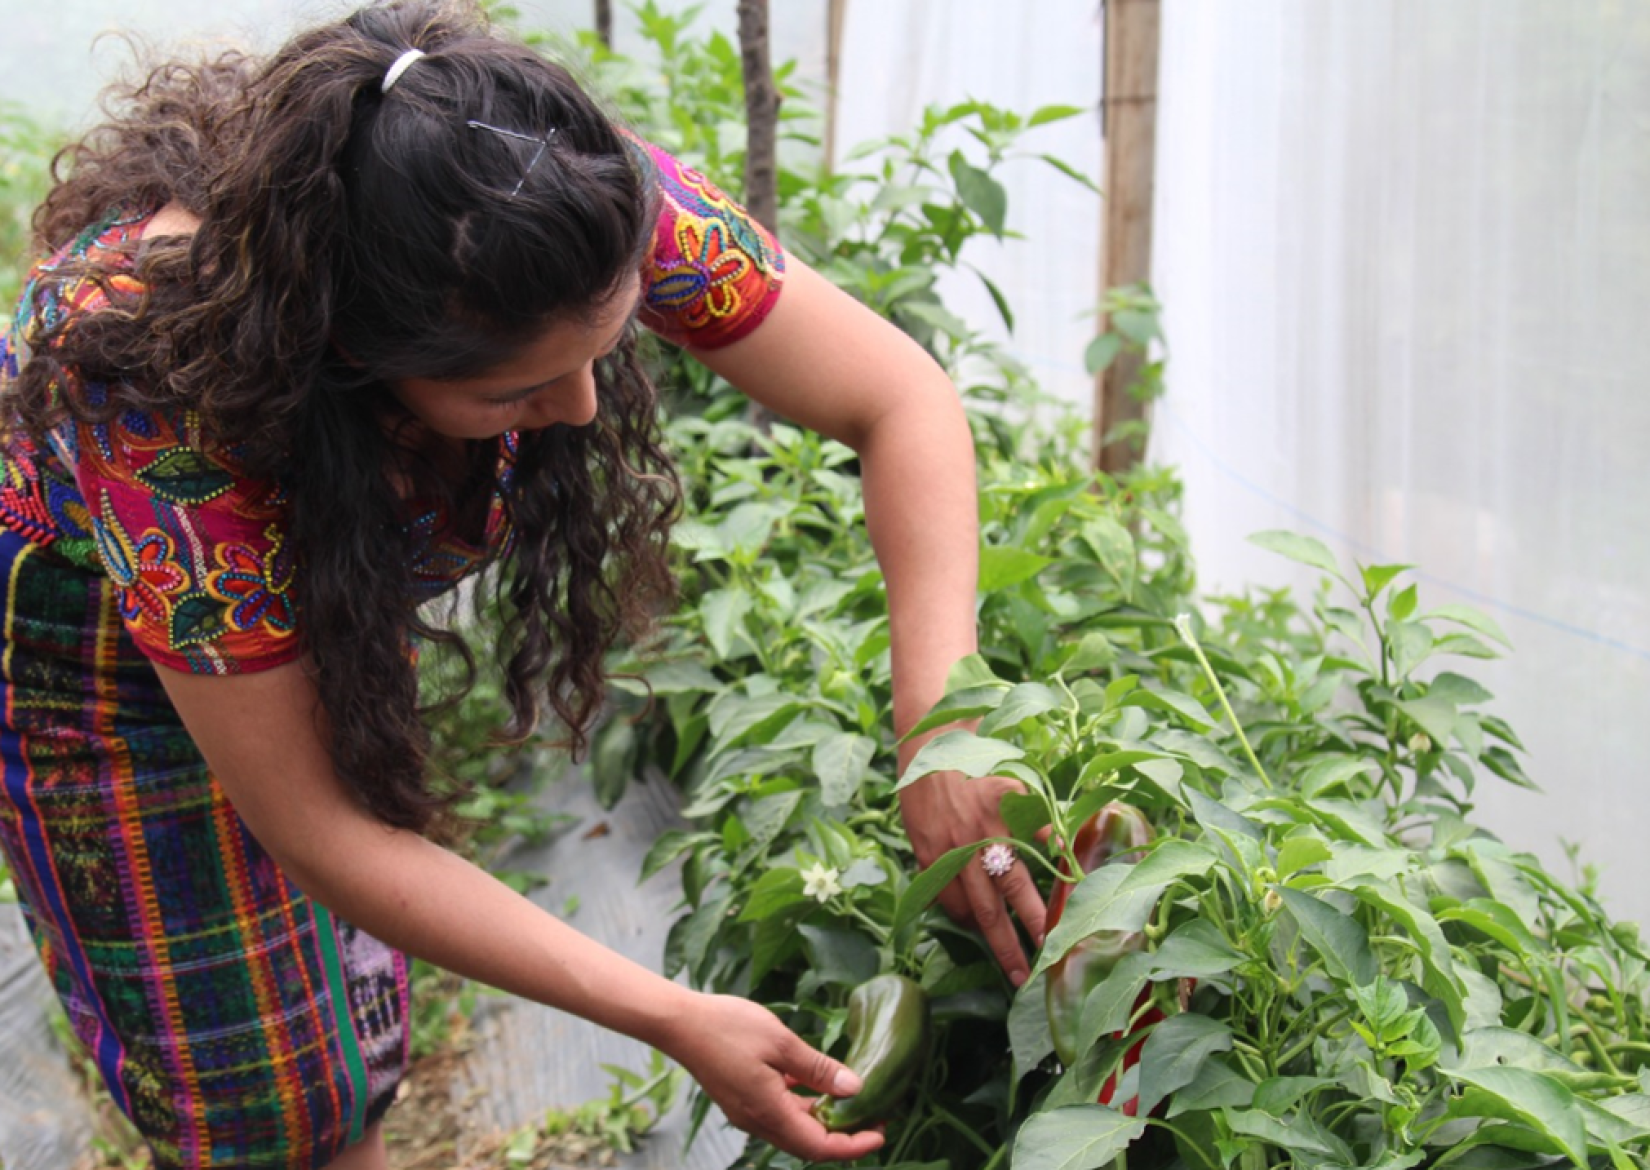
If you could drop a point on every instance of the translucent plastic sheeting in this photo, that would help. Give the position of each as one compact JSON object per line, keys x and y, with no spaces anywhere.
{"x":55,"y":58}
{"x":44,"y":1122}
{"x":898,"y":58}
{"x":1404,"y":253}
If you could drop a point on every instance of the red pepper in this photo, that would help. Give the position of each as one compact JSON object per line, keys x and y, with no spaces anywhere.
{"x":1117,"y":830}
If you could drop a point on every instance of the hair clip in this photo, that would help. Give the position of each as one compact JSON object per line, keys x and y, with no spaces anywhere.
{"x":544,"y":144}
{"x":401,"y":65}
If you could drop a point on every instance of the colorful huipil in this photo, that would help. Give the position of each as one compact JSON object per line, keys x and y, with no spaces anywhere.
{"x":235,"y":1021}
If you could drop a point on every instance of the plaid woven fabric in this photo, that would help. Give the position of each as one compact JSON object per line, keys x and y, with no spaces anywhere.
{"x":235,"y":1022}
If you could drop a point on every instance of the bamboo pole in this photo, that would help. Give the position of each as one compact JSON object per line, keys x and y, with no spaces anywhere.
{"x":1129,"y":125}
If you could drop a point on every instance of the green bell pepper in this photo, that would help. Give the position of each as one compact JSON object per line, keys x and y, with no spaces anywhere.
{"x":888,"y":1038}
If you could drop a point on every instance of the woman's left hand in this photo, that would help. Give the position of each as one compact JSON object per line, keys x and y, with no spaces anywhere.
{"x":946,"y":810}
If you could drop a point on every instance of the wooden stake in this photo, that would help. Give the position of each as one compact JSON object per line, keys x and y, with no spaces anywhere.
{"x":836,"y":19}
{"x":604,"y":23}
{"x":761,"y":115}
{"x":1129,"y":124}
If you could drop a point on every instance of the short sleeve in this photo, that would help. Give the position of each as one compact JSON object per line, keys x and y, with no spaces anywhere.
{"x":715,"y":272}
{"x":196,"y":550}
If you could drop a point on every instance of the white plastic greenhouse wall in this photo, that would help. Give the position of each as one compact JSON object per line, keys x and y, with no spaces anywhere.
{"x":1404,"y":252}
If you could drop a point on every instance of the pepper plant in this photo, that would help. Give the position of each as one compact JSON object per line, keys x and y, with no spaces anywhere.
{"x":1380,"y":983}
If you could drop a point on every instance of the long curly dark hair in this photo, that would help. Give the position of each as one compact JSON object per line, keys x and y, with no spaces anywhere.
{"x":350,"y":237}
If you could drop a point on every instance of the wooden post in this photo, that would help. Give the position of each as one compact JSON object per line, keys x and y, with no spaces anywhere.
{"x":1129,"y":124}
{"x":836,"y":18}
{"x":604,"y":22}
{"x":761,"y":115}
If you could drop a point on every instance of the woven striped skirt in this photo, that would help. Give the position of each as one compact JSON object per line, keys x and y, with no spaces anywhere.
{"x":235,"y":1021}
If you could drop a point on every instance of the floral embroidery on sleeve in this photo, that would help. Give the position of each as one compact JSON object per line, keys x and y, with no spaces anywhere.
{"x":715,"y":273}
{"x":196,"y":550}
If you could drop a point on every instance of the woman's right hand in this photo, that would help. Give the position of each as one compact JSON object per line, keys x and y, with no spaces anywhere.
{"x":748,"y":1061}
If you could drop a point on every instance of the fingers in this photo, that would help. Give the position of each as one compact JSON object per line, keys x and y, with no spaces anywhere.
{"x":1022,"y":896}
{"x":799,"y":1132}
{"x":802,"y":1064}
{"x":992,"y":920}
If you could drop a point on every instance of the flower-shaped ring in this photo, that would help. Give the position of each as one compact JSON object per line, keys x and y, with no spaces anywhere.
{"x":997,"y":859}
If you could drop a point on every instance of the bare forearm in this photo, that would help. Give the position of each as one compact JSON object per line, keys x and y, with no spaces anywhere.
{"x":922,"y":514}
{"x":427,"y":901}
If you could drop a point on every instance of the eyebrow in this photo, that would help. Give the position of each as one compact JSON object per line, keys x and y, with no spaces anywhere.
{"x":612,"y":344}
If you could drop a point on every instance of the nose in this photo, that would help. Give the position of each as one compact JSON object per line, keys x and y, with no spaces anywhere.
{"x":571,"y":400}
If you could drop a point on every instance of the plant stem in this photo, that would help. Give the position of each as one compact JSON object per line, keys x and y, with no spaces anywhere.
{"x":1183,"y":626}
{"x":963,"y":1129}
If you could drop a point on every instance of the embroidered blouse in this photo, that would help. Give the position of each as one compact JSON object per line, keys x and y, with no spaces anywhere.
{"x":196,"y":548}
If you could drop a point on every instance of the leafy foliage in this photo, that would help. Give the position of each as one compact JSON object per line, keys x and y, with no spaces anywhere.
{"x":1379,"y":982}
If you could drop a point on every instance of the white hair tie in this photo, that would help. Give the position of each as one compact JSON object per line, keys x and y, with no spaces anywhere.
{"x":402,"y":64}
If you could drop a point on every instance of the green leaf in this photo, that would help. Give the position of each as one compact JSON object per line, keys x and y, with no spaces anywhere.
{"x":1401,"y":605}
{"x":1496,"y":1045}
{"x":1029,"y":1037}
{"x":844,"y":958}
{"x":1024,"y":814}
{"x":972,"y":671}
{"x":1499,"y":922}
{"x":1327,"y":773}
{"x":840,"y":761}
{"x":967,"y":703}
{"x":1437,"y":964}
{"x":666,"y":848}
{"x":1378,"y":577}
{"x":1196,"y":950}
{"x":998,"y":299}
{"x":1108,"y":1006}
{"x":1337,"y":937}
{"x":1114,"y":548}
{"x":1212,"y":814}
{"x":1174,"y":703}
{"x":1121,"y":897}
{"x":1174,"y":1053}
{"x":1045,"y":114}
{"x":724,"y":613}
{"x":1304,"y":549}
{"x":1529,"y":1098}
{"x":1465,"y":615}
{"x":1003,"y":566}
{"x":1140,"y":326}
{"x":1411,"y":645}
{"x":960,"y":751}
{"x":1457,"y":689}
{"x":1102,"y":352}
{"x":1070,"y":171}
{"x":1495,"y":865}
{"x":670,"y":678}
{"x":1026,"y":701}
{"x":1298,"y":1137}
{"x":771,"y":893}
{"x":1215,"y":1086}
{"x":1299,"y":852}
{"x":1278,"y":1095}
{"x":867,"y":871}
{"x":1434,"y":714}
{"x":979,"y":192}
{"x":767,"y":815}
{"x":928,"y":884}
{"x":1078,"y":1137}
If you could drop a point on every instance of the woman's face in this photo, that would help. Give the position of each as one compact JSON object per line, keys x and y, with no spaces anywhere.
{"x":552,"y":380}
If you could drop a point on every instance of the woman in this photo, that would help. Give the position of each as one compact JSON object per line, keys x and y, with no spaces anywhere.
{"x":319,"y":336}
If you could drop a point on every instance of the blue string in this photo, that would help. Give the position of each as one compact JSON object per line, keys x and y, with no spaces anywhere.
{"x":1378,"y":556}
